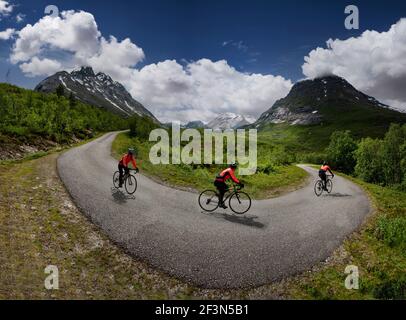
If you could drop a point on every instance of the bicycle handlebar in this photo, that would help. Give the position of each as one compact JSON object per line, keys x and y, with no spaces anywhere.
{"x":238,"y":186}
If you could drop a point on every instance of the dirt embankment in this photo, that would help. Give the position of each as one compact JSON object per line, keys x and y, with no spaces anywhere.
{"x":12,"y":148}
{"x":16,"y":148}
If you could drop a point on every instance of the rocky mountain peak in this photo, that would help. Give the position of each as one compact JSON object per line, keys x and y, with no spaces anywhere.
{"x":99,"y":90}
{"x":84,"y":71}
{"x":309,"y":100}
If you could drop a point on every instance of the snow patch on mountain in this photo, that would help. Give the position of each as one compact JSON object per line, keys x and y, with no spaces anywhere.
{"x":229,"y":120}
{"x":99,"y":90}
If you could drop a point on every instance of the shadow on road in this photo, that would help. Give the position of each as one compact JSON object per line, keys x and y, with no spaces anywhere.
{"x":120,"y":197}
{"x":244,"y":219}
{"x":338,"y":195}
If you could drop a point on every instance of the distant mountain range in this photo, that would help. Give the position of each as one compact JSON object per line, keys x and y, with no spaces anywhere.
{"x":99,"y":90}
{"x":222,"y":122}
{"x":327,"y":99}
{"x":228,"y":121}
{"x":196,"y":125}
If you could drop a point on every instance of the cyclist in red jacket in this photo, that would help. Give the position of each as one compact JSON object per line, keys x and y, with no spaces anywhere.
{"x":124,"y":162}
{"x":323,"y":174}
{"x":221,"y":184}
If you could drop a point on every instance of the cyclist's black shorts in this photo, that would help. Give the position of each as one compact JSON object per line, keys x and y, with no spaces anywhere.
{"x":323,"y":175}
{"x":123,"y":169}
{"x":220,"y":185}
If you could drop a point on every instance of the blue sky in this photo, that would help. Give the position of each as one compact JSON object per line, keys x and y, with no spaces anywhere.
{"x":257,"y":36}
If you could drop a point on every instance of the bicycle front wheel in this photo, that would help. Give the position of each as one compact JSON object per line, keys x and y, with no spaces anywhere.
{"x":131,"y":184}
{"x":329,"y":186}
{"x":116,"y":179}
{"x":209,"y":200}
{"x":240,"y":202}
{"x":318,"y":188}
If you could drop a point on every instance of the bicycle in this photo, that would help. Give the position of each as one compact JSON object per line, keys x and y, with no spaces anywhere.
{"x":239,"y":202}
{"x":129,"y":181}
{"x":319,"y":186}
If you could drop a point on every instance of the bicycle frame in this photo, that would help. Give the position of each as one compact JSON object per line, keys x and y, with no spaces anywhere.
{"x":127,"y":174}
{"x":229,"y":192}
{"x":328,"y":177}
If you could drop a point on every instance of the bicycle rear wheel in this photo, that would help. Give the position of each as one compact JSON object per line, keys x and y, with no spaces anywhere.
{"x":318,"y":188}
{"x":240,"y":202}
{"x":329,"y":186}
{"x":116,"y":179}
{"x":209,"y":200}
{"x":131,"y":184}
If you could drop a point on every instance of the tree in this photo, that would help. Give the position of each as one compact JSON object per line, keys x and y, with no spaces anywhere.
{"x":133,"y":124}
{"x":60,"y":91}
{"x":141,"y":127}
{"x":72,"y":100}
{"x":340,"y":151}
{"x":403,"y":162}
{"x":369,"y":161}
{"x":392,"y":154}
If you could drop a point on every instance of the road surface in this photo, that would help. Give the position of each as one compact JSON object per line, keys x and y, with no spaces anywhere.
{"x":166,"y":227}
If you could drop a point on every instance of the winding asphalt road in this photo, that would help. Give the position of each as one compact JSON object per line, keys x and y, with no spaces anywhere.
{"x":277,"y":238}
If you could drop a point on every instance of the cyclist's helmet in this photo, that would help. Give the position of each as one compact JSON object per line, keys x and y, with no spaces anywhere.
{"x":234,"y":165}
{"x":131,"y":151}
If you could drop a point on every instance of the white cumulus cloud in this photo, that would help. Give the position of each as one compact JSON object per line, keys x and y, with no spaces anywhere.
{"x":75,"y":38}
{"x":38,"y":67}
{"x":74,"y":32}
{"x":7,"y":34}
{"x":374,"y":62}
{"x":116,"y":58}
{"x":5,"y":8}
{"x":202,"y":89}
{"x":196,"y":90}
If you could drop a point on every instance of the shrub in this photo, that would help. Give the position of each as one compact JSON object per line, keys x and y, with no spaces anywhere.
{"x":391,"y":289}
{"x":266,"y":168}
{"x":392,"y":231}
{"x":280,"y":157}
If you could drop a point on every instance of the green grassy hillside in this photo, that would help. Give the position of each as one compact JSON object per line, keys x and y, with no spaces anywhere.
{"x":362,"y":122}
{"x":25,"y":113}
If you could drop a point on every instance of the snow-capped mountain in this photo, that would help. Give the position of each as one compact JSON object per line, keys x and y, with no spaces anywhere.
{"x":99,"y":90}
{"x":228,"y":121}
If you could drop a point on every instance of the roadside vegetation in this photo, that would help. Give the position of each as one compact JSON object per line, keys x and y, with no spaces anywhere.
{"x":379,"y":161}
